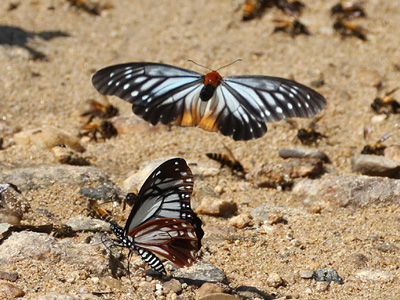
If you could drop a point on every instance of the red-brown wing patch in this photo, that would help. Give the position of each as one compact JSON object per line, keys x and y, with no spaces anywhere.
{"x":174,"y":239}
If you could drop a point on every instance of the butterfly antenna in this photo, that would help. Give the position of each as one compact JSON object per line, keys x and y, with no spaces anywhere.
{"x":197,"y":64}
{"x":385,"y":137}
{"x":235,"y":61}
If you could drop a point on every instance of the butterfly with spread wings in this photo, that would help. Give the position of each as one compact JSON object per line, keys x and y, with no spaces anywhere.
{"x":236,"y":106}
{"x":162,"y":221}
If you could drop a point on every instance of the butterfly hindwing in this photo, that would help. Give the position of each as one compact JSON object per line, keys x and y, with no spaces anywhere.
{"x":171,"y":238}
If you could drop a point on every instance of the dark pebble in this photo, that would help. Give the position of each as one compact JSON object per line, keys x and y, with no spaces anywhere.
{"x":327,"y":275}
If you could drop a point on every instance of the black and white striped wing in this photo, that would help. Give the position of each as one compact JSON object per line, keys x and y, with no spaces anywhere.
{"x":165,"y":194}
{"x":158,"y":92}
{"x":171,"y":238}
{"x":247,"y":102}
{"x":239,"y":106}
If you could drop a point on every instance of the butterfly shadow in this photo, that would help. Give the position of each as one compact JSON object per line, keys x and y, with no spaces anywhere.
{"x":112,"y":249}
{"x":16,"y":36}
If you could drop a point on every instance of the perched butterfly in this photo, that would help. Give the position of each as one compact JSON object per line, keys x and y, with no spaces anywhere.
{"x":237,"y":106}
{"x":161,"y":220}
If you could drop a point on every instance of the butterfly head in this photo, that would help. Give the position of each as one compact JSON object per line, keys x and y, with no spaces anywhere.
{"x":211,"y":81}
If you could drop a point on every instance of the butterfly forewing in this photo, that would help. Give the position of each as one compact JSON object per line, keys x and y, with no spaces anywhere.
{"x":156,"y":91}
{"x":165,"y":194}
{"x":272,"y":99}
{"x":171,"y":238}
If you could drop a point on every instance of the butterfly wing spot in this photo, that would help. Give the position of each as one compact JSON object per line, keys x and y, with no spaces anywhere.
{"x":139,"y":80}
{"x":126,"y":86}
{"x":299,"y":104}
{"x":280,"y":96}
{"x":290,"y":106}
{"x":308,"y":97}
{"x":112,"y":74}
{"x":188,"y":180}
{"x":307,"y":105}
{"x":117,"y":83}
{"x":270,"y":100}
{"x":134,"y":93}
{"x":128,"y":71}
{"x":279,"y":110}
{"x":144,"y":98}
{"x":129,"y":76}
{"x":110,"y":82}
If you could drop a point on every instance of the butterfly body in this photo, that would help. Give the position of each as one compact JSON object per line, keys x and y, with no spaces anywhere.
{"x":162,"y":221}
{"x":236,"y":106}
{"x":211,"y":81}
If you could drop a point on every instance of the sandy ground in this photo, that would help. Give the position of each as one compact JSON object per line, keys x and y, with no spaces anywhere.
{"x":54,"y":91}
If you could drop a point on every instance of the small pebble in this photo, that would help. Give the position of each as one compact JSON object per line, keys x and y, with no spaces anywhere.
{"x":217,"y":207}
{"x":303,"y":167}
{"x":375,"y":165}
{"x":306,"y":274}
{"x":159,"y":289}
{"x":9,"y":276}
{"x":172,"y":285}
{"x":8,"y":290}
{"x":67,"y":156}
{"x":274,"y":280}
{"x":322,"y":286}
{"x":200,"y":273}
{"x":209,"y":288}
{"x":328,"y":275}
{"x":48,"y":137}
{"x":113,"y":283}
{"x":241,"y":221}
{"x":375,"y":275}
{"x":87,"y":224}
{"x":303,"y":153}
